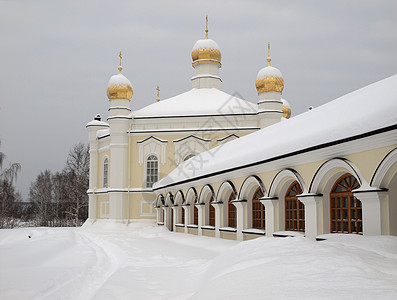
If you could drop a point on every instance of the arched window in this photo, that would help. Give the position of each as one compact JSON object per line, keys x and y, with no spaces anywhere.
{"x":232,"y":212}
{"x":195,"y":212}
{"x":346,"y":214}
{"x":189,"y":156}
{"x":211,"y":213}
{"x":105,"y":172}
{"x":294,"y":209}
{"x":258,"y":210}
{"x":152,"y":170}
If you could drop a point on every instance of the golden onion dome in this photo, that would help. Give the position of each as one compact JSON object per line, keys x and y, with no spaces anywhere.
{"x":286,"y":109}
{"x":206,"y":50}
{"x":119,"y":87}
{"x":269,"y":79}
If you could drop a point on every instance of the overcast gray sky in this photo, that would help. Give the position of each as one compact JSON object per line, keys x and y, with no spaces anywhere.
{"x":56,"y":58}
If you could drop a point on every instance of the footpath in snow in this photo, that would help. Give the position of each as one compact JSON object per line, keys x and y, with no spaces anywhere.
{"x":153,"y":263}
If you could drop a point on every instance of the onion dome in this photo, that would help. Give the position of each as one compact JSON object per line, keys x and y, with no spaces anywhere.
{"x":206,"y":50}
{"x":119,"y":87}
{"x":286,"y":109}
{"x":269,"y":79}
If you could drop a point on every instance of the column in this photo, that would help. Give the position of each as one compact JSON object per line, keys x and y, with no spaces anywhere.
{"x":241,"y":206}
{"x":313,"y":215}
{"x":373,"y":204}
{"x":218,"y":217}
{"x":271,"y":214}
{"x":201,"y":214}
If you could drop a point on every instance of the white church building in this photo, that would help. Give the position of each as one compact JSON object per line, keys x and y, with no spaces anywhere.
{"x":208,"y":163}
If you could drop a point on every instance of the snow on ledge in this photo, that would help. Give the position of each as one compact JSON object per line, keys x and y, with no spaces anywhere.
{"x":207,"y":227}
{"x":228,"y":229}
{"x":254,"y":231}
{"x":288,"y":234}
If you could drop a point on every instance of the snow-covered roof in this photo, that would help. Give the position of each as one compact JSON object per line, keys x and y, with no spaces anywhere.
{"x":198,"y":102}
{"x":365,"y":110}
{"x":97,"y":123}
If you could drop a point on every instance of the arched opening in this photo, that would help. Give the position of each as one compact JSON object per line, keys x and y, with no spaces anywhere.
{"x":258,"y":210}
{"x":182,"y":221}
{"x":232,"y":212}
{"x":294,"y":209}
{"x":195,"y":212}
{"x":211,"y":213}
{"x":345,"y":210}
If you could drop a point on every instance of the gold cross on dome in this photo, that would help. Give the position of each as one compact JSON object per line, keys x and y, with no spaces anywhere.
{"x":120,"y":68}
{"x":158,"y":93}
{"x":268,"y":54}
{"x":206,"y":26}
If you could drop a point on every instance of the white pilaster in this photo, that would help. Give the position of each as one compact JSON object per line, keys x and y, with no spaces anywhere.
{"x":218,"y":217}
{"x":271,"y":215}
{"x":241,"y":206}
{"x":186,"y":207}
{"x":201,"y":215}
{"x":373,"y":204}
{"x":313,"y":215}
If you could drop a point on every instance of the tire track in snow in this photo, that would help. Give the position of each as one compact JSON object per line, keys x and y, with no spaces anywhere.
{"x":106,"y":264}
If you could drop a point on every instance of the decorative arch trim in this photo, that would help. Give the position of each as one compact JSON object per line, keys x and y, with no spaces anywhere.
{"x":383,"y":172}
{"x":152,"y":145}
{"x":179,"y":195}
{"x":283,"y":174}
{"x":248,"y":182}
{"x":160,"y":201}
{"x":333,"y":164}
{"x":226,"y":184}
{"x":191,"y":194}
{"x":207,"y":188}
{"x":169,"y":199}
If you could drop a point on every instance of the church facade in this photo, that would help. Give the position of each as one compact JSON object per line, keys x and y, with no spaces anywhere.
{"x":134,"y":149}
{"x":208,"y":163}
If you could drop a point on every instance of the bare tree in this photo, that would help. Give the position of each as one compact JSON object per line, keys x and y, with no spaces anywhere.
{"x":77,"y":172}
{"x":40,"y":194}
{"x":7,"y":192}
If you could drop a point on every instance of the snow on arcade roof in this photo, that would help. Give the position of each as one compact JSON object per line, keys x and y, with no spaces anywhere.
{"x":198,"y":102}
{"x":368,"y":109}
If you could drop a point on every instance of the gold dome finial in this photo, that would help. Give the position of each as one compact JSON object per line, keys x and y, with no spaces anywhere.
{"x":120,"y":68}
{"x":268,"y":54}
{"x":206,"y":27}
{"x":158,"y":93}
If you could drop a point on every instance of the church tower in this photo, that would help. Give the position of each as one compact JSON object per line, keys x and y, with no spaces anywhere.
{"x":269,"y":84}
{"x":206,"y":56}
{"x":119,"y":92}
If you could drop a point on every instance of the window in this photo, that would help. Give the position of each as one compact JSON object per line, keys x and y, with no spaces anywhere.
{"x":346,"y":213}
{"x":232,"y":212}
{"x":294,"y":209}
{"x":211,"y":213}
{"x":152,"y":169}
{"x":105,"y":172}
{"x":258,"y":210}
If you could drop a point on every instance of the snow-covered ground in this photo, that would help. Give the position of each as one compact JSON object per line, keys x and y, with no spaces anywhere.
{"x":153,"y":263}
